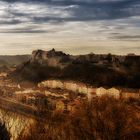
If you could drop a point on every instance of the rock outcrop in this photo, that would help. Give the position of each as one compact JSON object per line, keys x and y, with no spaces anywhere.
{"x":51,"y":58}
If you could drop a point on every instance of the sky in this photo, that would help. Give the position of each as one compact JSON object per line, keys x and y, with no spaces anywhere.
{"x":72,"y":26}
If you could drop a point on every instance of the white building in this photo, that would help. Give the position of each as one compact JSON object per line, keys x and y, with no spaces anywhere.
{"x":113,"y":92}
{"x":101,"y":91}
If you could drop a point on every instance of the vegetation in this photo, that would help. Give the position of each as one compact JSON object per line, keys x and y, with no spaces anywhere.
{"x":103,"y":118}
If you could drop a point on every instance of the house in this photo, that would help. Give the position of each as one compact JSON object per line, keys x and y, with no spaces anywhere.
{"x":113,"y":92}
{"x":84,"y":89}
{"x":60,"y":84}
{"x":71,"y":86}
{"x":101,"y":91}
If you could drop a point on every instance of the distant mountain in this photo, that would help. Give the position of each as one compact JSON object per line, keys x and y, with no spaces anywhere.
{"x":95,"y":69}
{"x":9,"y":60}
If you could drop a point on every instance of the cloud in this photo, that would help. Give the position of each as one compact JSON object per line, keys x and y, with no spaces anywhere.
{"x":75,"y":23}
{"x":58,"y":11}
{"x":127,"y":37}
{"x":72,"y":10}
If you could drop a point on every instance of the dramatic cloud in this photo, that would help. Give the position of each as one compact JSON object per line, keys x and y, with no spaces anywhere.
{"x":92,"y":25}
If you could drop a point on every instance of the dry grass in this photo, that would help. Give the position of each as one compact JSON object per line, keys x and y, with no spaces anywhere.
{"x":103,"y":119}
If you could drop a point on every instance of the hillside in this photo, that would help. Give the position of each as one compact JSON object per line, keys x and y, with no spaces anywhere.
{"x":8,"y":60}
{"x":96,"y":69}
